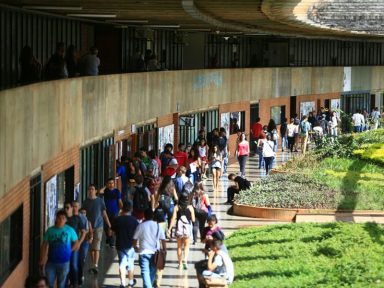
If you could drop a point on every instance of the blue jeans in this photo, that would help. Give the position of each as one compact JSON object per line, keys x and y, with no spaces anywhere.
{"x":357,"y":129}
{"x":225,"y":164}
{"x":83,"y":252}
{"x":59,"y":271}
{"x":275,"y":146}
{"x":148,"y":269}
{"x":73,"y":275}
{"x":284,"y":142}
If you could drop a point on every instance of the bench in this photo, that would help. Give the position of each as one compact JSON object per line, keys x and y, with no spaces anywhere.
{"x":215,"y":282}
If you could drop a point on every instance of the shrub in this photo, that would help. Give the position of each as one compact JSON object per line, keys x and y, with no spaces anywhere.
{"x":341,"y":146}
{"x":290,"y":191}
{"x":370,"y":137}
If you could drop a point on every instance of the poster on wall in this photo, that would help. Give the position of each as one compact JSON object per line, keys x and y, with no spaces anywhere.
{"x":50,"y":201}
{"x":335,"y":106}
{"x":276,"y":114}
{"x":225,"y":121}
{"x":166,"y":135}
{"x":306,"y":107}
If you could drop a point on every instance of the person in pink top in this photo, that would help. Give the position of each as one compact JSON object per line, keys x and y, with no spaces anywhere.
{"x":242,"y":152}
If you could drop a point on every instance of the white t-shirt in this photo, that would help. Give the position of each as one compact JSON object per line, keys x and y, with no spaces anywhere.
{"x":334,"y":121}
{"x":268,"y":148}
{"x":358,"y":119}
{"x":291,"y":130}
{"x":148,"y":234}
{"x":224,"y":266}
{"x":318,"y":130}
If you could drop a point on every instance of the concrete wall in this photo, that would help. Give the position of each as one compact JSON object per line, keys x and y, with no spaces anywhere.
{"x":40,"y":121}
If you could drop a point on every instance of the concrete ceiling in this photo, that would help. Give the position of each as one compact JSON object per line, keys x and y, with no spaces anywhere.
{"x":304,"y":18}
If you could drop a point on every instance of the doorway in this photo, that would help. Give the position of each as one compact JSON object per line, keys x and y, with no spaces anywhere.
{"x":35,"y":224}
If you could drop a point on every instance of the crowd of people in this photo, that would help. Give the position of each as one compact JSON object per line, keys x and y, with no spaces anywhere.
{"x":159,"y":198}
{"x":64,"y":63}
{"x":298,"y":133}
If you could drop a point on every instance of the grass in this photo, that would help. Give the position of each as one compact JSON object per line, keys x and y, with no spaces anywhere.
{"x":361,"y":183}
{"x":308,"y":255}
{"x":371,"y":152}
{"x":345,"y":173}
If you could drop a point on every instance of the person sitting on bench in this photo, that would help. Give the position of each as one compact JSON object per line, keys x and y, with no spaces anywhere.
{"x":240,"y":185}
{"x":220,"y":270}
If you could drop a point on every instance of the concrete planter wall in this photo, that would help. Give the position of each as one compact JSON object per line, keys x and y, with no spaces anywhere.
{"x":309,"y":215}
{"x":264,"y":212}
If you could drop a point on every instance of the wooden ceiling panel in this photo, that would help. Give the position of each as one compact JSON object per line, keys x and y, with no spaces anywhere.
{"x":281,"y":17}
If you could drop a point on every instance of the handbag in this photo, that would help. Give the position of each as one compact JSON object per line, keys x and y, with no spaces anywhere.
{"x":159,"y":259}
{"x":160,"y":256}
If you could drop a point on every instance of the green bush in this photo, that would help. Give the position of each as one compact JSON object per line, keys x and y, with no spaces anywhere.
{"x":289,"y":190}
{"x":370,"y":137}
{"x":341,"y":146}
{"x":308,"y":255}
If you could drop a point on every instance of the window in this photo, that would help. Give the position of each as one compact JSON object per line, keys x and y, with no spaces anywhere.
{"x":306,"y":108}
{"x":11,"y":243}
{"x":233,"y":121}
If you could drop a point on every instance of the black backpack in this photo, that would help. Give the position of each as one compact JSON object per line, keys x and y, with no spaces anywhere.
{"x":165,"y":202}
{"x":140,"y":199}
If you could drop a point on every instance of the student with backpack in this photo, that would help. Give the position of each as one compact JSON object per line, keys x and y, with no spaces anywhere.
{"x":166,"y":196}
{"x":141,"y":199}
{"x":183,"y":216}
{"x":202,"y":206}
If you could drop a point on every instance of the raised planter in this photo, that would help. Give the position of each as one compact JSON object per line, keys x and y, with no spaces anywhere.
{"x":308,"y":215}
{"x":265,"y":212}
{"x":276,"y":171}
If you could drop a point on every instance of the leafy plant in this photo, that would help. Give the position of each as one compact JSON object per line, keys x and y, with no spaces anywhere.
{"x":341,"y":146}
{"x":289,"y":191}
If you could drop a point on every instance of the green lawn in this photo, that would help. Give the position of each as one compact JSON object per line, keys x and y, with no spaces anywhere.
{"x":361,"y":182}
{"x":308,"y":255}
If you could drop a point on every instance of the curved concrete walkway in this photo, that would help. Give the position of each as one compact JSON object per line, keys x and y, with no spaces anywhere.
{"x":172,"y":276}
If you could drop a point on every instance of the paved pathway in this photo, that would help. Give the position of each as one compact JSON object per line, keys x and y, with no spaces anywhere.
{"x":173,"y":277}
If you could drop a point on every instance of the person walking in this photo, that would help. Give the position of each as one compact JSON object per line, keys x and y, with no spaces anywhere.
{"x":58,"y":243}
{"x":97,"y":214}
{"x":242,"y":153}
{"x":84,"y":247}
{"x":334,"y":123}
{"x":305,"y":127}
{"x":291,"y":131}
{"x":202,"y":206}
{"x":147,"y":239}
{"x":123,"y":227}
{"x":268,"y":153}
{"x":77,"y":223}
{"x":216,"y":163}
{"x":113,"y":203}
{"x":183,"y":216}
{"x":283,"y":134}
